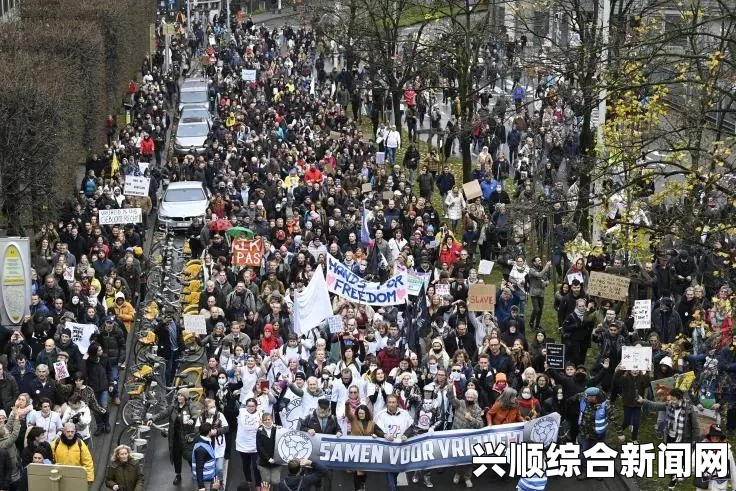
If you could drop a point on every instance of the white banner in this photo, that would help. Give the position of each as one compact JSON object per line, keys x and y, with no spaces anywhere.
{"x":642,"y":313}
{"x":636,"y":358}
{"x":81,"y":334}
{"x":343,"y":282}
{"x":136,"y":186}
{"x":121,"y":216}
{"x":196,"y":324}
{"x":248,"y":75}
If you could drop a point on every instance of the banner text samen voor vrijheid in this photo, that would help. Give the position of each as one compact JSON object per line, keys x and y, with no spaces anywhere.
{"x":428,"y":451}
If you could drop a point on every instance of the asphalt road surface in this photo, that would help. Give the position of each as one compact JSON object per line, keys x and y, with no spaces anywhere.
{"x":160,"y":475}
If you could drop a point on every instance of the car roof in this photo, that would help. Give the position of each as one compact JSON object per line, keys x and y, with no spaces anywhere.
{"x":193,"y":120}
{"x":185,"y":185}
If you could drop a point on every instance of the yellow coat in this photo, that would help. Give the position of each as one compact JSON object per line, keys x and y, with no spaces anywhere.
{"x":125,"y":313}
{"x":77,"y":455}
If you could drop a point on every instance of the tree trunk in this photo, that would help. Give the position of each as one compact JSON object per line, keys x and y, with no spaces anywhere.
{"x":396,"y":97}
{"x":587,"y":151}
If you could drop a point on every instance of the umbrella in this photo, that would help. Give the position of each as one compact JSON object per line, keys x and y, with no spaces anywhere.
{"x":220,"y":225}
{"x":237,"y":232}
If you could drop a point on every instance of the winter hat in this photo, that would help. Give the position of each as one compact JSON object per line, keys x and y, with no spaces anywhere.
{"x":500,"y":377}
{"x":666,"y":361}
{"x":592,"y":392}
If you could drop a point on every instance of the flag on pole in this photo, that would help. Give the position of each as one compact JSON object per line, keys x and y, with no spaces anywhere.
{"x":312,"y":305}
{"x":417,"y":320}
{"x":365,"y":234}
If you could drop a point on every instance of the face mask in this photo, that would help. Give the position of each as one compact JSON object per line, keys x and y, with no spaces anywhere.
{"x":526,"y":395}
{"x":221,"y":381}
{"x":559,"y":396}
{"x":212,"y":411}
{"x":470,"y":403}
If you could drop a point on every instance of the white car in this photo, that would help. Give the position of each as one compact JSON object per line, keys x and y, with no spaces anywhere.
{"x":191,"y":133}
{"x":195,"y":112}
{"x":182,"y":203}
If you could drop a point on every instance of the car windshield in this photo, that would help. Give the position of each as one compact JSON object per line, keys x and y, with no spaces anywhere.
{"x":196,"y":114}
{"x":192,"y":97}
{"x":192,"y":130}
{"x":183,"y":195}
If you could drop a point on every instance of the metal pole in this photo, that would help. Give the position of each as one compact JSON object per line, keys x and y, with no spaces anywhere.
{"x":605,"y":15}
{"x":189,"y":16}
{"x":167,"y":55}
{"x":227,"y":9}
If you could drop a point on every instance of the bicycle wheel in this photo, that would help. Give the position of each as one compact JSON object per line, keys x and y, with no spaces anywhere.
{"x":128,"y":435}
{"x":155,"y":277}
{"x":134,"y":411}
{"x":142,"y":355}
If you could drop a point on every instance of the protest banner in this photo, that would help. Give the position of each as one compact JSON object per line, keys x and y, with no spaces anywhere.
{"x":608,"y":286}
{"x":415,"y":280}
{"x":81,"y":334}
{"x":481,"y":297}
{"x":335,"y":135}
{"x":636,"y":358}
{"x":366,"y":188}
{"x":247,"y":252}
{"x":387,"y":195}
{"x":485,"y":267}
{"x":442,"y":289}
{"x":472,"y":190}
{"x":196,"y":324}
{"x":60,"y":370}
{"x":335,"y":324}
{"x":136,"y":186}
{"x":380,"y":158}
{"x":575,"y":276}
{"x":248,"y":75}
{"x":428,"y":451}
{"x":120,"y":217}
{"x":343,"y":282}
{"x":556,"y":356}
{"x":662,"y":387}
{"x":642,"y":313}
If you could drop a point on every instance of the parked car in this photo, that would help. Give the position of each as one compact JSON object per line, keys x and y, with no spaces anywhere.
{"x":196,"y":113}
{"x":191,"y":134}
{"x":194,"y":96}
{"x":182,"y":203}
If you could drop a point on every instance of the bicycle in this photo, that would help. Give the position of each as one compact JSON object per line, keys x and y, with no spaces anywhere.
{"x":153,"y":401}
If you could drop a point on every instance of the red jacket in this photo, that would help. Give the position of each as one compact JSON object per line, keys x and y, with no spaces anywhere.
{"x":387,"y":361}
{"x":313,"y":175}
{"x":147,"y":146}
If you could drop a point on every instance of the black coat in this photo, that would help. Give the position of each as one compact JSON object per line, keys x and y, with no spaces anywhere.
{"x":99,"y":373}
{"x":49,"y":391}
{"x":312,"y":422}
{"x":266,"y":445}
{"x":113,"y":344}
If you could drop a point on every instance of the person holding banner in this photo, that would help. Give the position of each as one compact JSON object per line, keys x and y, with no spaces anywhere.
{"x":394,"y":422}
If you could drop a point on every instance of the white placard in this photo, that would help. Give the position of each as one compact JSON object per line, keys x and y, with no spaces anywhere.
{"x":485,"y":267}
{"x":642,"y":313}
{"x":248,"y":75}
{"x":68,"y":273}
{"x":575,"y":276}
{"x":81,"y":334}
{"x":196,"y":324}
{"x":636,"y":358}
{"x":442,"y":289}
{"x":60,"y":370}
{"x":380,"y":158}
{"x":121,"y":216}
{"x":136,"y":186}
{"x":143,"y":166}
{"x":335,"y":323}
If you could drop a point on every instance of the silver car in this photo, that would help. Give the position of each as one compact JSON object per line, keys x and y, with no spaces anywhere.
{"x":182,"y":203}
{"x":194,"y":96}
{"x":196,"y":113}
{"x":192,"y":133}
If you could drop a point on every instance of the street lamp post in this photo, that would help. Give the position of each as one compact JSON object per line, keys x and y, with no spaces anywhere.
{"x":604,"y":23}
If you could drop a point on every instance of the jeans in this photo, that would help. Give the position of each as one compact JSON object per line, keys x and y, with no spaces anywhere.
{"x":171,"y":367}
{"x":391,"y":154}
{"x":103,"y":399}
{"x":115,"y":378}
{"x":632,"y":416}
{"x":391,"y":480}
{"x":220,"y":468}
{"x":585,"y":445}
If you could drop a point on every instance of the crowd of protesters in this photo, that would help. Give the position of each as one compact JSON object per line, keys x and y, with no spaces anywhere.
{"x":276,"y":165}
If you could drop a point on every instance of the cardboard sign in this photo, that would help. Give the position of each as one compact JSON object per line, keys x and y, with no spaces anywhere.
{"x":442,"y":289}
{"x":556,"y":356}
{"x":335,"y":135}
{"x":247,"y":252}
{"x":636,"y":358}
{"x":481,"y":297}
{"x":642,"y":313}
{"x":196,"y":324}
{"x":608,"y":286}
{"x":366,"y":188}
{"x":136,"y":186}
{"x":60,"y":370}
{"x":335,"y":323}
{"x":387,"y":195}
{"x":248,"y":75}
{"x":472,"y":190}
{"x":380,"y":157}
{"x":485,"y":267}
{"x":119,"y":217}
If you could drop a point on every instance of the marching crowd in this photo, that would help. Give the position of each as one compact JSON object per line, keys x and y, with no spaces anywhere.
{"x":288,"y":162}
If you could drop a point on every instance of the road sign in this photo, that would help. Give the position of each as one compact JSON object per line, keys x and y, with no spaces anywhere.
{"x":168,"y":29}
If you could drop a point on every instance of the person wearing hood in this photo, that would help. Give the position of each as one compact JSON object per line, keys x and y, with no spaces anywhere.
{"x":666,"y":322}
{"x":438,"y":350}
{"x":124,"y":311}
{"x":596,"y":414}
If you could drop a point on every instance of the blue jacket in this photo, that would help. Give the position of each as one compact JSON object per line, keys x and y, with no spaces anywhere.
{"x":445,"y":182}
{"x":487,"y":186}
{"x":503,"y":308}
